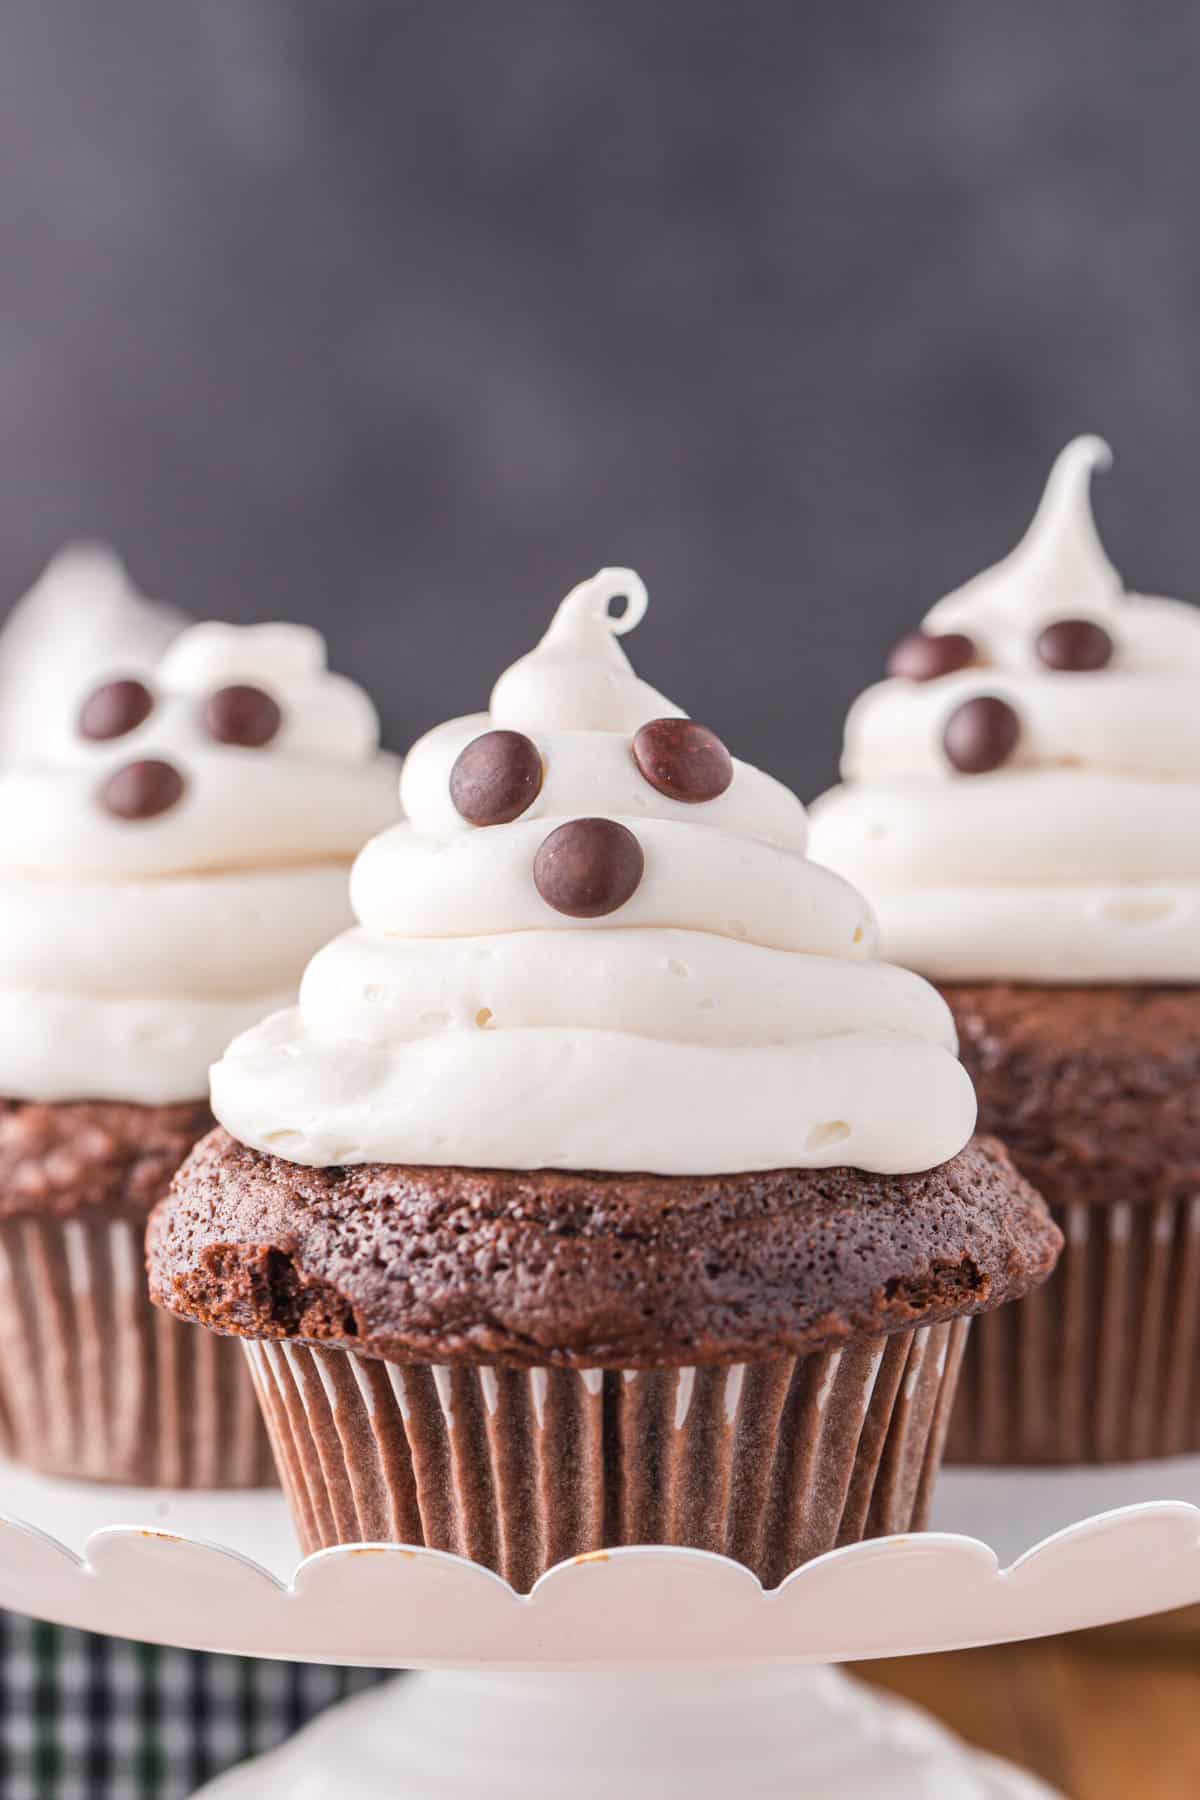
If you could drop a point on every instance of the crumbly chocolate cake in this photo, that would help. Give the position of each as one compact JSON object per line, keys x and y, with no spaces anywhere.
{"x":93,"y":1158}
{"x":579,"y":1270}
{"x":1095,"y":1090}
{"x":94,"y":1384}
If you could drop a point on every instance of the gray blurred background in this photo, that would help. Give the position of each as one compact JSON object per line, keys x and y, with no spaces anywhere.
{"x":402,"y":318}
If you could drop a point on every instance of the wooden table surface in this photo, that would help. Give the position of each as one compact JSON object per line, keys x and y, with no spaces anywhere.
{"x":1101,"y":1715}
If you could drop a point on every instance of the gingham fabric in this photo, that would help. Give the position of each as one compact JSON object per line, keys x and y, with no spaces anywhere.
{"x":93,"y":1718}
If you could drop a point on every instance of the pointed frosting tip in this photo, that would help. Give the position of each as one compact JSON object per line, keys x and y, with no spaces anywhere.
{"x":1070,"y":477}
{"x":1089,"y":450}
{"x":1062,"y":539}
{"x":590,"y":604}
{"x":1059,"y":560}
{"x":578,"y":678}
{"x":87,"y":563}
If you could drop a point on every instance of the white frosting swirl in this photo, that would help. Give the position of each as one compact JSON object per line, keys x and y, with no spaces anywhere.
{"x":132,"y":950}
{"x":1079,"y":859}
{"x":727,"y":1017}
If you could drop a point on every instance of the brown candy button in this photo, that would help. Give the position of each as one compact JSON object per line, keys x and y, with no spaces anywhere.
{"x":115,"y":709}
{"x":683,"y":760}
{"x":1077,"y":645}
{"x":496,"y":778}
{"x":981,"y":734}
{"x":142,"y":790}
{"x":242,"y":715}
{"x":588,"y":867}
{"x":926,"y":655}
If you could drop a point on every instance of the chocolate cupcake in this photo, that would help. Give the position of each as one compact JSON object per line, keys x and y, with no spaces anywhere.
{"x":1017,"y":808}
{"x":601,"y":1189}
{"x":170,"y":862}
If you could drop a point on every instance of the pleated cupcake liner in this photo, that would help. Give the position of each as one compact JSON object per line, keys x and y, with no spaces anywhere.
{"x":1102,"y":1364}
{"x":769,"y":1463}
{"x":97,"y":1384}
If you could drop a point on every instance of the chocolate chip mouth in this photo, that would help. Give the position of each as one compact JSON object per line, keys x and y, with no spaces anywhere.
{"x":589,"y":868}
{"x":142,"y":790}
{"x":981,"y":734}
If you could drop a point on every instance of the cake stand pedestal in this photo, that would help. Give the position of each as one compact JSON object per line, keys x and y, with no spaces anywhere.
{"x":701,"y":1734}
{"x":640,"y":1672}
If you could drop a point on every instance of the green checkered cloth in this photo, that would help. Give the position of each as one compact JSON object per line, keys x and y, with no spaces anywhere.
{"x":93,"y":1718}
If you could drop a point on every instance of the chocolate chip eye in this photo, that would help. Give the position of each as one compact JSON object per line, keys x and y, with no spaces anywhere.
{"x":496,"y":778}
{"x":926,"y":655}
{"x":588,"y":868}
{"x":981,"y":734}
{"x":683,"y":760}
{"x":114,"y":710}
{"x":242,"y":715}
{"x":1077,"y":645}
{"x":142,"y":790}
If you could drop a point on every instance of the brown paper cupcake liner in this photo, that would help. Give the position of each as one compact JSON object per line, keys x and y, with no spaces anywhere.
{"x":97,"y":1384}
{"x":1102,"y":1364}
{"x":770,"y":1463}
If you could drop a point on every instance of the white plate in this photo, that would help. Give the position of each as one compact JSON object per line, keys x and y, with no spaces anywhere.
{"x":219,"y":1572}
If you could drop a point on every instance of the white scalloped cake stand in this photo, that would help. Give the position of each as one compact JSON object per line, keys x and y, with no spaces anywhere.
{"x":641,"y":1672}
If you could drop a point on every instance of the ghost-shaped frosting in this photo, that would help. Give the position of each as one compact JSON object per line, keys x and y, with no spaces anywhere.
{"x":161,"y":887}
{"x":707,"y":1004}
{"x":1075,"y":854}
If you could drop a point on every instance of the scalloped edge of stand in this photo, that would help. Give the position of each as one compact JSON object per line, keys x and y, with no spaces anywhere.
{"x":388,"y":1605}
